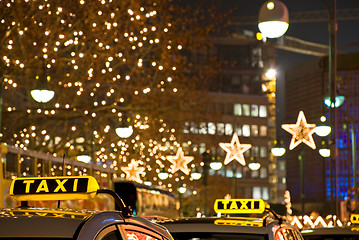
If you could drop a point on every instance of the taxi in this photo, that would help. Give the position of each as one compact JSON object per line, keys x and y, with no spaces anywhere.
{"x":239,"y":219}
{"x":26,"y":222}
{"x":336,"y":233}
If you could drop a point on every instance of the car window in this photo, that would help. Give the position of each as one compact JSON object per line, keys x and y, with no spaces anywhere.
{"x":134,"y":232}
{"x":134,"y":235}
{"x":286,"y":233}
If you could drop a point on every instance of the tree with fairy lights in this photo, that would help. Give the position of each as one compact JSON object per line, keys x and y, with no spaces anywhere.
{"x":109,"y":63}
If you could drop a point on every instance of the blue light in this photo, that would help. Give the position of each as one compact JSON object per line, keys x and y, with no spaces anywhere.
{"x":339,"y":100}
{"x":108,"y":220}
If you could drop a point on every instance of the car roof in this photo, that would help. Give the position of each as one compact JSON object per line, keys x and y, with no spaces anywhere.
{"x":35,"y":222}
{"x":65,"y":223}
{"x":215,"y":224}
{"x":330,"y":231}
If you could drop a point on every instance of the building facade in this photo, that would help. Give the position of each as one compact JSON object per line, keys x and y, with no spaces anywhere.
{"x":242,"y":101}
{"x":325,"y":182}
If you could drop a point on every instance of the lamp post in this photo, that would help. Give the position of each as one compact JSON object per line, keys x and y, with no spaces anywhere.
{"x":209,"y":161}
{"x":332,"y":75}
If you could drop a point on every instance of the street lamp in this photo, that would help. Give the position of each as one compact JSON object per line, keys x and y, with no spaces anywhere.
{"x":254,"y":165}
{"x":195,"y":174}
{"x":124,"y":130}
{"x":215,"y":164}
{"x":273,"y":20}
{"x":324,"y":151}
{"x":339,"y":100}
{"x":84,"y":158}
{"x":278,"y":149}
{"x":147,"y":182}
{"x":163,"y":175}
{"x":41,"y":94}
{"x":322,"y":129}
{"x":182,"y":189}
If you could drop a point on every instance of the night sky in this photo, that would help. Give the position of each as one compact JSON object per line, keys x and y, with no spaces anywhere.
{"x":314,"y":31}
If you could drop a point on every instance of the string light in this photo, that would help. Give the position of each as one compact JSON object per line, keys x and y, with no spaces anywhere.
{"x":93,"y":87}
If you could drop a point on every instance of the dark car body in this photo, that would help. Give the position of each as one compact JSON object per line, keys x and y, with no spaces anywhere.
{"x":25,"y":222}
{"x":332,"y":233}
{"x":228,"y":228}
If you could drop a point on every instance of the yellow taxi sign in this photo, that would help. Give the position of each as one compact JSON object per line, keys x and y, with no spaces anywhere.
{"x":238,"y":206}
{"x":235,"y":222}
{"x":354,"y":218}
{"x":53,"y":188}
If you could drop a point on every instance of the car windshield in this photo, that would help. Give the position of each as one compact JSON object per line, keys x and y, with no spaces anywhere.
{"x":217,"y":236}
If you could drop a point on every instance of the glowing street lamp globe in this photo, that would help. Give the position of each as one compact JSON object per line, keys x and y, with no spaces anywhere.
{"x":42,"y":95}
{"x":182,"y":189}
{"x":215,"y":165}
{"x":195,"y":174}
{"x":273,"y":19}
{"x":324,"y":152}
{"x":322,"y":129}
{"x":163,"y":175}
{"x":254,"y":166}
{"x":124,"y":132}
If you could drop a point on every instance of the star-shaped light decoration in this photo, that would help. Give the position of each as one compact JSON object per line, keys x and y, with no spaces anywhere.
{"x":235,"y":150}
{"x":302,"y":132}
{"x":179,"y":162}
{"x":133,"y":171}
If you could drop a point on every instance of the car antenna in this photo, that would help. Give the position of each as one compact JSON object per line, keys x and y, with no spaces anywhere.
{"x":63,"y":174}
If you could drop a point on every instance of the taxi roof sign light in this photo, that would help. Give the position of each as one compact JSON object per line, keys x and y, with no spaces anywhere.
{"x":53,"y":188}
{"x":354,"y":218}
{"x":239,"y":206}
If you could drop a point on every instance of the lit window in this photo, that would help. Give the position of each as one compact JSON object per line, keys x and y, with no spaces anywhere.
{"x":211,"y":128}
{"x":229,"y":173}
{"x":281,"y":165}
{"x":262,"y":111}
{"x":238,"y":171}
{"x":237,"y":109}
{"x":202,"y":128}
{"x":255,"y":174}
{"x":246,"y":110}
{"x":265,"y":193}
{"x":254,"y":110}
{"x":257,"y":194}
{"x":220,"y":128}
{"x":238,"y":129}
{"x":260,"y":193}
{"x":228,"y":129}
{"x":263,"y":131}
{"x":246,"y":132}
{"x":284,"y":180}
{"x":193,"y":128}
{"x":254,"y":130}
{"x":263,"y":152}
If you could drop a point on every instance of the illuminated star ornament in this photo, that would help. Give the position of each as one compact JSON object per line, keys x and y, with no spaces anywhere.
{"x":235,"y":150}
{"x":133,"y":171}
{"x":179,"y":162}
{"x":301,"y":131}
